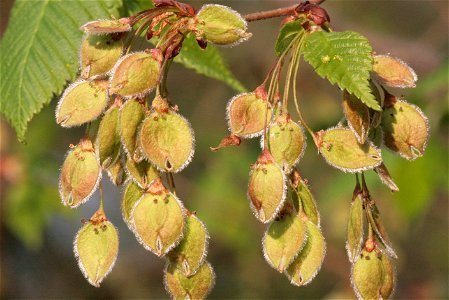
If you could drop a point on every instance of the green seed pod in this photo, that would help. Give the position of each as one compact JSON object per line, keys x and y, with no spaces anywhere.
{"x":341,"y":150}
{"x":107,"y":26}
{"x":80,"y":175}
{"x":131,"y":116}
{"x":355,"y":228}
{"x":83,"y":101}
{"x":196,"y":286}
{"x":157,"y":219}
{"x":389,"y":281}
{"x":167,"y":140}
{"x":367,"y":275}
{"x":189,"y":255}
{"x":221,"y":25}
{"x":131,"y":195}
{"x":108,"y":138}
{"x":393,"y":72}
{"x":385,"y":177}
{"x":98,"y":54}
{"x":96,"y":249}
{"x":267,"y":188}
{"x":142,"y":173}
{"x":286,"y":142}
{"x":309,"y":260}
{"x":358,"y":116}
{"x":302,"y":192}
{"x":373,"y":216}
{"x":247,"y":115}
{"x":116,"y":172}
{"x":284,"y":239}
{"x":405,"y":127}
{"x":135,"y":74}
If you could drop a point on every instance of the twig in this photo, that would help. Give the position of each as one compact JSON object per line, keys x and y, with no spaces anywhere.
{"x":279,"y":12}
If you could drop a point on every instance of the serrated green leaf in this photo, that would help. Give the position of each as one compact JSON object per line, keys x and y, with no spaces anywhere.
{"x":207,"y":62}
{"x":344,"y":58}
{"x":288,"y":32}
{"x":40,"y":53}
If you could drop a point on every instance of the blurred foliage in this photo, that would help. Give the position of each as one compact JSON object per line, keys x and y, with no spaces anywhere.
{"x":31,"y":168}
{"x":214,"y":185}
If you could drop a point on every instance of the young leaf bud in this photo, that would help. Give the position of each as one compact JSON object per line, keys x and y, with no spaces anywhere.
{"x":286,"y":142}
{"x":83,"y":101}
{"x":309,"y":260}
{"x":197,"y":286}
{"x":107,"y":26}
{"x":393,"y":72}
{"x":157,"y":219}
{"x":96,"y":249}
{"x":284,"y":239}
{"x":167,"y":140}
{"x":98,"y":54}
{"x":247,"y":114}
{"x":314,"y":13}
{"x":267,"y":188}
{"x":135,"y":74}
{"x":189,"y":255}
{"x":405,"y":127}
{"x":131,"y":116}
{"x":340,"y":149}
{"x":108,"y":138}
{"x":130,"y":196}
{"x":80,"y":175}
{"x":358,"y":116}
{"x":221,"y":25}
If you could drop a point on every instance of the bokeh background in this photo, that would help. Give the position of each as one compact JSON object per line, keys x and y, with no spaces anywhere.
{"x":37,"y":230}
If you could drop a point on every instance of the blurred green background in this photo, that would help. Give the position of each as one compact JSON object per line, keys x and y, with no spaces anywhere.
{"x":37,"y":230}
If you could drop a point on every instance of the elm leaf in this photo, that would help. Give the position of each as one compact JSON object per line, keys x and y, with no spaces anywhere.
{"x":44,"y":58}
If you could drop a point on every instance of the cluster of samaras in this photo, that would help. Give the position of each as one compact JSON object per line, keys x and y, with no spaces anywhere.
{"x":293,"y":242}
{"x":136,"y":142}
